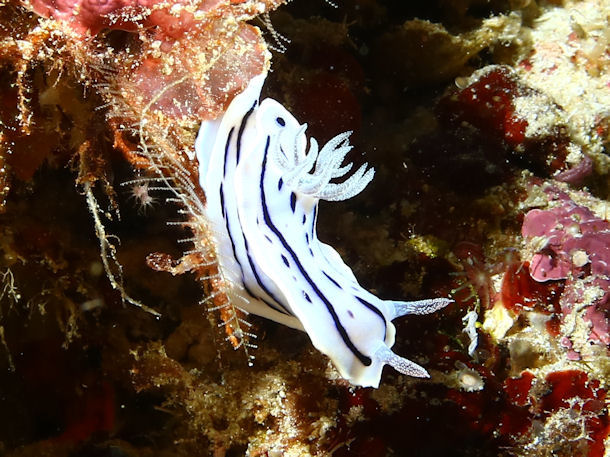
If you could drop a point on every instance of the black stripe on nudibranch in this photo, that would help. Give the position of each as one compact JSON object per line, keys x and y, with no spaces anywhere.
{"x":332,"y":280}
{"x":280,"y":121}
{"x":240,"y":133}
{"x":282,"y":151}
{"x":285,"y":261}
{"x":374,"y":309}
{"x":228,"y":226}
{"x":227,"y":145}
{"x":304,"y":219}
{"x":306,"y":296}
{"x":222,"y":202}
{"x":277,"y":305}
{"x":234,"y":249}
{"x":293,"y":201}
{"x":279,"y":308}
{"x":280,"y":183}
{"x":366,"y":361}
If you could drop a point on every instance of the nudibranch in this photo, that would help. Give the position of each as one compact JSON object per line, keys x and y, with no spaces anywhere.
{"x":262,"y":186}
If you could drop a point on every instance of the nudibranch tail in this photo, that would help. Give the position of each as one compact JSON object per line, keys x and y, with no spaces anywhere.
{"x":262,"y":185}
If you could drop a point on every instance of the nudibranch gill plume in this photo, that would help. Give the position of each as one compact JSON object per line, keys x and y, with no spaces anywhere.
{"x":262,"y":186}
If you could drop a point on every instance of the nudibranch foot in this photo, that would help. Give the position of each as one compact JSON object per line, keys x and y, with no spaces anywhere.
{"x":262,"y":185}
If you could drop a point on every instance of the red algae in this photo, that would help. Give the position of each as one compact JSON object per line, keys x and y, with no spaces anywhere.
{"x":490,"y":126}
{"x":520,"y":291}
{"x":494,"y":104}
{"x":488,"y":105}
{"x":564,"y":386}
{"x":571,"y":389}
{"x":518,"y":389}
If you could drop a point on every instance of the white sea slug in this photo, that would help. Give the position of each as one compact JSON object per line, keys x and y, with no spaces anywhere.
{"x":262,"y":186}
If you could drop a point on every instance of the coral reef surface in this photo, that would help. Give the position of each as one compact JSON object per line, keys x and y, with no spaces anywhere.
{"x":488,"y":125}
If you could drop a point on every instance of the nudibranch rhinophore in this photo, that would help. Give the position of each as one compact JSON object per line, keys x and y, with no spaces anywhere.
{"x":262,"y":186}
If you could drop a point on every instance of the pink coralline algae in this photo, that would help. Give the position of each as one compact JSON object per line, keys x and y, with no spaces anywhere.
{"x":576,"y":241}
{"x":580,"y":295}
{"x":188,"y":58}
{"x":172,"y":17}
{"x":573,"y":244}
{"x":95,"y":15}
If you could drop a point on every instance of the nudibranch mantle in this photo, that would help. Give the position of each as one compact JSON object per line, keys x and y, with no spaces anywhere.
{"x":262,"y":186}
